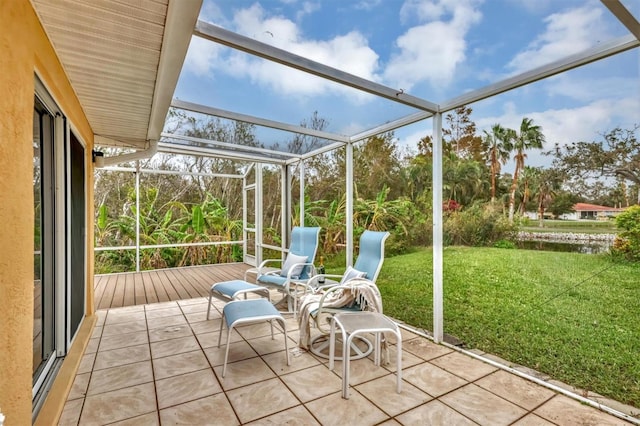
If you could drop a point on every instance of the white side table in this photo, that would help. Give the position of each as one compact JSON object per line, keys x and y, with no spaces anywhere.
{"x":352,"y":324}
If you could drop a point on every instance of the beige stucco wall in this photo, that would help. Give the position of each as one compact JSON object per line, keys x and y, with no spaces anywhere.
{"x":24,"y":51}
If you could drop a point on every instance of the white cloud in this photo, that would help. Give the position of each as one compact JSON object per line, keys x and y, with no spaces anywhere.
{"x":410,"y":140}
{"x":367,"y":4}
{"x":537,"y":6}
{"x":211,"y":12}
{"x":349,"y":52}
{"x":308,"y":7}
{"x":352,"y":128}
{"x":566,"y":125}
{"x":588,"y":121}
{"x":589,"y":89}
{"x":567,"y":32}
{"x":200,"y":56}
{"x":433,"y":50}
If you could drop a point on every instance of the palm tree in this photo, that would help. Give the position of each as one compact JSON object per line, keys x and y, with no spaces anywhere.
{"x":529,"y":137}
{"x":382,"y":214}
{"x":530,"y":178}
{"x":462,"y":178}
{"x":500,"y":144}
{"x":549,"y":183}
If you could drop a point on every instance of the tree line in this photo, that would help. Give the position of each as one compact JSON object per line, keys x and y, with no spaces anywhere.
{"x":392,"y":188}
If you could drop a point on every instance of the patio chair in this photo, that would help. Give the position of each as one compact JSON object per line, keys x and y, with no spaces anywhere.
{"x":291,"y":279}
{"x":355,"y":295}
{"x":368,"y":263}
{"x":319,"y":307}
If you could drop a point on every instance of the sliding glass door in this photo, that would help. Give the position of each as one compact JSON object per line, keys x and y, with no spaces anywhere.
{"x":44,"y":330}
{"x":60,"y":241}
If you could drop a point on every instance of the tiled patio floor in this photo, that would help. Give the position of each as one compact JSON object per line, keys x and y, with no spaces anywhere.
{"x":159,"y":364}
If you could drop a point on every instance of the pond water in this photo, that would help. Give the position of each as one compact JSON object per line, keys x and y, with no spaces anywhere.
{"x":574,"y":246}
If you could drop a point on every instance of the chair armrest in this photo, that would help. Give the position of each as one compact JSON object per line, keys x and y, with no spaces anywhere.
{"x":264,"y":264}
{"x":266,"y":261}
{"x":289,"y":277}
{"x":330,"y":310}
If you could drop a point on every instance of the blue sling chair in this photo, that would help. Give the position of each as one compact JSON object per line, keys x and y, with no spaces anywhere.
{"x":296,"y":270}
{"x":364,"y":272}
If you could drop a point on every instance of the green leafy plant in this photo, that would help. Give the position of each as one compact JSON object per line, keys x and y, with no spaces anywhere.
{"x":627,"y":243}
{"x":477,"y":225}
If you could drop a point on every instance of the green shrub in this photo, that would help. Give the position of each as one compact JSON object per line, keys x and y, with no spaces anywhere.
{"x":627,"y":243}
{"x":477,"y":225}
{"x":505,"y":244}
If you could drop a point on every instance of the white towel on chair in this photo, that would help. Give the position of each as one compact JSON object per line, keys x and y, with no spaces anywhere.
{"x":365,"y":295}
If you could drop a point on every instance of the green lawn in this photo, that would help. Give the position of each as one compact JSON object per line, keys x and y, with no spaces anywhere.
{"x":573,"y":316}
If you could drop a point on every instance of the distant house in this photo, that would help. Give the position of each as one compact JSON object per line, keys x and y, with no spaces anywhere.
{"x":584,"y":211}
{"x":534,"y":215}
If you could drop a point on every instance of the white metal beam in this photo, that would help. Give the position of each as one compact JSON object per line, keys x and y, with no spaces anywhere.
{"x":286,"y":213}
{"x":274,"y":54}
{"x":137,"y":216}
{"x":232,"y":146}
{"x":285,"y":196}
{"x":302,"y":211}
{"x":349,"y":203}
{"x":322,"y":150}
{"x":259,"y":216}
{"x":392,"y":125}
{"x":172,"y":172}
{"x":624,"y":16}
{"x":217,"y":112}
{"x":171,"y":148}
{"x":182,"y":15}
{"x":438,"y":263}
{"x":601,"y":51}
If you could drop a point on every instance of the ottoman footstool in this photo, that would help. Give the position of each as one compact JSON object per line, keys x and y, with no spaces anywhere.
{"x":231,"y":290}
{"x":241,"y":312}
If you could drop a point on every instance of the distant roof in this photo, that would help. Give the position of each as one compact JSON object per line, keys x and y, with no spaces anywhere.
{"x":582,"y":207}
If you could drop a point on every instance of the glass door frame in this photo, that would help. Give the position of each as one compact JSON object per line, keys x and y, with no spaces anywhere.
{"x":57,"y":230}
{"x":46,"y":263}
{"x":249,"y":196}
{"x":69,"y":334}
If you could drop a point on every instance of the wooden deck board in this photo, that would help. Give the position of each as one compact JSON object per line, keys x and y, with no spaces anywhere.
{"x":199,"y":281}
{"x":129,"y":291}
{"x":107,"y":295}
{"x":161,"y":290}
{"x":138,"y":288}
{"x":118,"y":294}
{"x":166,"y":288}
{"x":150,"y":289}
{"x":182,"y":284}
{"x":100,"y":283}
{"x":140,"y":296}
{"x":171,"y":282}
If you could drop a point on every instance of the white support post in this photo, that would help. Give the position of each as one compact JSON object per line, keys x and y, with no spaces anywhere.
{"x":301,"y":192}
{"x":349,"y":206}
{"x":137,"y":216}
{"x":437,"y":229}
{"x":285,"y":196}
{"x":244,"y":219}
{"x":259,"y":212}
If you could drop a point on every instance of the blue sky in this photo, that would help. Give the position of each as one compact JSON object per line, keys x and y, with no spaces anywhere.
{"x":433,"y":49}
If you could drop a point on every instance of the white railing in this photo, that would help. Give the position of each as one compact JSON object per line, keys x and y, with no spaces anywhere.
{"x":157,"y":246}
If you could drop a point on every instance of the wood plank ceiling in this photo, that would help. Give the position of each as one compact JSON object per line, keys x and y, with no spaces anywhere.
{"x":110,"y":51}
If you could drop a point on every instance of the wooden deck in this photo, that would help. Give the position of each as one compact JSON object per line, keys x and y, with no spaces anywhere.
{"x":161,"y":285}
